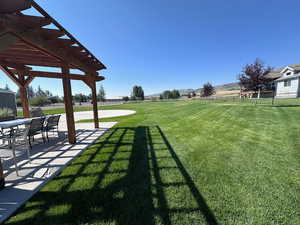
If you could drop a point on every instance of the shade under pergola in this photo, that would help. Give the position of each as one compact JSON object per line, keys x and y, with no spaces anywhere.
{"x":28,"y":41}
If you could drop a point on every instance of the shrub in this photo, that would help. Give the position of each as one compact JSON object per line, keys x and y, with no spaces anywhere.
{"x":40,"y":101}
{"x":54,"y":99}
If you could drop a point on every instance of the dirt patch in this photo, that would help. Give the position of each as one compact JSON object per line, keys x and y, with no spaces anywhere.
{"x":227,"y":104}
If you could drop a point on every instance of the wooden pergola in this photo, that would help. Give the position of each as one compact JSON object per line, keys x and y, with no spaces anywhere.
{"x":28,"y":41}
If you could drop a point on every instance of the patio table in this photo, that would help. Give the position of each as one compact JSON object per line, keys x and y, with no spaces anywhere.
{"x":15,"y":123}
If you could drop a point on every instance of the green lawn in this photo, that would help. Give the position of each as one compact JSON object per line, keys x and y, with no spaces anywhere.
{"x":181,"y":163}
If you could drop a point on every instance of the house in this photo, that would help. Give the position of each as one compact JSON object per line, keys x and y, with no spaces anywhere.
{"x":8,"y":100}
{"x":286,"y":81}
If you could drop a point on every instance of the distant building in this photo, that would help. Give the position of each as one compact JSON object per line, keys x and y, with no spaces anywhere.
{"x":287,"y":81}
{"x":8,"y":100}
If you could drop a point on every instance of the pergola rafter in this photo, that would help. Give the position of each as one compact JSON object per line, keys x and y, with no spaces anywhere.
{"x":25,"y":42}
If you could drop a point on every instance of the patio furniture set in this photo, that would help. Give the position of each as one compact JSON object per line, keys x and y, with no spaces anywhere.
{"x":15,"y":131}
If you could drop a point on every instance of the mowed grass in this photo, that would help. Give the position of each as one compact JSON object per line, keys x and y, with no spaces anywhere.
{"x":181,"y":163}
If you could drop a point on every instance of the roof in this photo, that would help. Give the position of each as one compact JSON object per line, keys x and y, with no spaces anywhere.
{"x":275,"y":74}
{"x":33,"y":43}
{"x":288,"y":77}
{"x":6,"y":91}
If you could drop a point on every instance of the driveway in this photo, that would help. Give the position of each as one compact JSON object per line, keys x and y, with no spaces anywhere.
{"x":90,"y":115}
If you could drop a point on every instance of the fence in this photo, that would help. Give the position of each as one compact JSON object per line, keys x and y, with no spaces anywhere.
{"x":253,"y":101}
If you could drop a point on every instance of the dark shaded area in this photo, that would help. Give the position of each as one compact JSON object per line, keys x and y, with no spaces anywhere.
{"x":127,"y":185}
{"x":285,"y":106}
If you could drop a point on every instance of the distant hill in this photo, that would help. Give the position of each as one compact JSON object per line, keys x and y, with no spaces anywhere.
{"x":221,"y":90}
{"x":225,"y":87}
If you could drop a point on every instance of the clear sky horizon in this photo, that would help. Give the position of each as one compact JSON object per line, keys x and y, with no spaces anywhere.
{"x":176,"y":44}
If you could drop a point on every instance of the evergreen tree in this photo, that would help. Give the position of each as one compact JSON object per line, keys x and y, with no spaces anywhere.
{"x":40,"y":92}
{"x":101,"y":94}
{"x":137,"y":93}
{"x":30,"y":92}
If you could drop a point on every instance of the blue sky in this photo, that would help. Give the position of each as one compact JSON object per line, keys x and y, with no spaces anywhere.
{"x":164,"y":44}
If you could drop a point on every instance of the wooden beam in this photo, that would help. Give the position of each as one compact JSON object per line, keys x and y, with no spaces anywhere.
{"x":26,"y":59}
{"x":30,"y":21}
{"x":28,"y":80}
{"x":51,"y":33}
{"x":11,"y":75}
{"x":61,"y":75}
{"x":42,"y":63}
{"x":25,"y":54}
{"x":69,"y":104}
{"x":14,"y":65}
{"x":95,"y":106}
{"x":7,"y":40}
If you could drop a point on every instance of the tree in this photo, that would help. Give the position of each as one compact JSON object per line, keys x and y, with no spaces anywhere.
{"x":126,"y":98}
{"x":40,"y":92}
{"x":175,"y":94}
{"x":101,"y":94}
{"x":80,"y":98}
{"x":207,"y":90}
{"x":30,"y":92}
{"x":39,"y":101}
{"x":170,"y":94}
{"x":253,"y":76}
{"x":137,"y":93}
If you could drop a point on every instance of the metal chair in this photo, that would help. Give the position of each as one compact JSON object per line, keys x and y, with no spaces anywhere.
{"x":17,"y":137}
{"x":52,"y":124}
{"x":38,"y":112}
{"x":36,"y":127}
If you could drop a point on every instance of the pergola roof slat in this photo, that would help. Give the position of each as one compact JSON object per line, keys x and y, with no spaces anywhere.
{"x":30,"y":21}
{"x":51,"y":33}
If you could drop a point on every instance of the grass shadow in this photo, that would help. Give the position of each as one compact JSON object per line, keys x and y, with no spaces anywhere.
{"x":131,"y":176}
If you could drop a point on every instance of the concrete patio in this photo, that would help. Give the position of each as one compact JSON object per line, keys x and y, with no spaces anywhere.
{"x":47,"y":160}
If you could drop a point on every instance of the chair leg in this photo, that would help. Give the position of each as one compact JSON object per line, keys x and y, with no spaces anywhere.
{"x":29,"y":141}
{"x":47,"y":135}
{"x":43,"y":135}
{"x":28,"y":150}
{"x":15,"y":160}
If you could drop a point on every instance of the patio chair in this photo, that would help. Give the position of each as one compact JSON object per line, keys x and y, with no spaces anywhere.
{"x":36,"y":127}
{"x":17,"y":137}
{"x":52,"y":125}
{"x":38,"y":112}
{"x":5,"y":136}
{"x":5,"y":133}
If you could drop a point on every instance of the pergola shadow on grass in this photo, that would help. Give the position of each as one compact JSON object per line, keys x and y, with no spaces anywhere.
{"x":130,"y":176}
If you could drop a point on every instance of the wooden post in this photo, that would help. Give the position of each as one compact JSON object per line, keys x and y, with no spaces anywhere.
{"x":95,"y":106}
{"x":68,"y":104}
{"x":24,"y":101}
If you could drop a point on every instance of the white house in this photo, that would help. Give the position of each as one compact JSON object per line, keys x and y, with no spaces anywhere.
{"x":287,"y":81}
{"x":287,"y":86}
